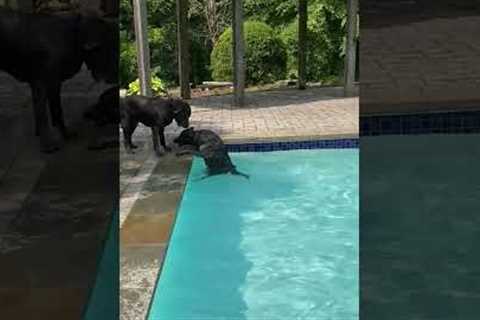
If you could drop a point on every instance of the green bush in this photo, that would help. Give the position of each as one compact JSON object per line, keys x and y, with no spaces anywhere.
{"x":163,"y":52}
{"x":200,"y":59}
{"x":328,"y":20}
{"x":158,"y":87}
{"x":162,"y":43}
{"x":325,"y":42}
{"x":272,"y":12}
{"x":128,"y":62}
{"x":318,"y":67}
{"x":163,"y":57}
{"x":265,"y":55}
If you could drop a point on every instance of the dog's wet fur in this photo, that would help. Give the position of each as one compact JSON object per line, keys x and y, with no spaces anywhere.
{"x":156,"y":113}
{"x":209,"y":146}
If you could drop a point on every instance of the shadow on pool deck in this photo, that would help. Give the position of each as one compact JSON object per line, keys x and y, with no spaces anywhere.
{"x":273,"y":98}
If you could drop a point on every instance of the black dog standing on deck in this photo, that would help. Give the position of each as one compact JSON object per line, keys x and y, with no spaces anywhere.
{"x":156,"y":113}
{"x":211,"y":148}
{"x":44,"y":50}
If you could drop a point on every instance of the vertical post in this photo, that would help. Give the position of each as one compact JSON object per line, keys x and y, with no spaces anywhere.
{"x":302,"y":43}
{"x":143,"y":52}
{"x":351,"y":51}
{"x":183,"y":48}
{"x":238,"y":54}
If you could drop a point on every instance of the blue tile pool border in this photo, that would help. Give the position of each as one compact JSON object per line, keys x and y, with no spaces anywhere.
{"x":293,"y":145}
{"x":426,"y":123}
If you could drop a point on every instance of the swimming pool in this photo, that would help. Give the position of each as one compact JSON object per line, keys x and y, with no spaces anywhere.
{"x":282,"y":245}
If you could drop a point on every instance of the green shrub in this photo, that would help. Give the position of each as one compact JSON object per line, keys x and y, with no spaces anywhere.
{"x":265,"y":55}
{"x":158,"y":87}
{"x":128,"y":62}
{"x":318,"y":68}
{"x":325,"y":42}
{"x":163,"y":52}
{"x":163,"y":57}
{"x":272,"y":12}
{"x":200,"y":59}
{"x":328,"y":20}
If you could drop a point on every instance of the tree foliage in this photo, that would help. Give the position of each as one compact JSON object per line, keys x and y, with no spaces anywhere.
{"x":209,"y":19}
{"x":272,"y":12}
{"x":265,"y":55}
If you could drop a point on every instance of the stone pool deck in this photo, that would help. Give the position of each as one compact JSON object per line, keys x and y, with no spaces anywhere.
{"x":151,"y":187}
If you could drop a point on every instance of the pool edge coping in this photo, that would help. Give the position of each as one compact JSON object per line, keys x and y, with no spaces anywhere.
{"x":290,"y":138}
{"x":167,"y":242}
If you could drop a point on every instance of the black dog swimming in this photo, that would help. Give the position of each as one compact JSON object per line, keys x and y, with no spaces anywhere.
{"x":211,"y":148}
{"x":44,"y":50}
{"x":156,"y":113}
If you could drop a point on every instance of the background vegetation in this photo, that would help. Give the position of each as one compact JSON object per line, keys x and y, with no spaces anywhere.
{"x":271,"y":40}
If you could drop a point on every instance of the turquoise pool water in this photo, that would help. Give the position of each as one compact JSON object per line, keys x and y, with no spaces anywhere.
{"x":282,"y":245}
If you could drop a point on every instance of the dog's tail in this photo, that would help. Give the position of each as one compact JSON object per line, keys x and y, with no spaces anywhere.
{"x":238,"y":173}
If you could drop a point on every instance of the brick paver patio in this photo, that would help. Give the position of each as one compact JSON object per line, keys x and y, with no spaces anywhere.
{"x":276,"y":115}
{"x":279,"y":114}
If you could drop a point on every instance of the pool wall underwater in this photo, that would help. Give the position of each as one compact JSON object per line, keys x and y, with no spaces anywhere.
{"x":346,"y":143}
{"x":419,"y":216}
{"x":422,"y":123}
{"x":293,"y":145}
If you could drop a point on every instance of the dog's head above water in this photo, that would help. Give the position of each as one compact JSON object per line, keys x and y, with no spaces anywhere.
{"x":181,"y":112}
{"x":186,"y":137}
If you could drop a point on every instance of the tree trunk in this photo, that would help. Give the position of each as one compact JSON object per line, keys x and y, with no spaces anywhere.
{"x":183,"y":48}
{"x":143,"y":52}
{"x":302,"y":43}
{"x":238,"y":54}
{"x":350,"y":56}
